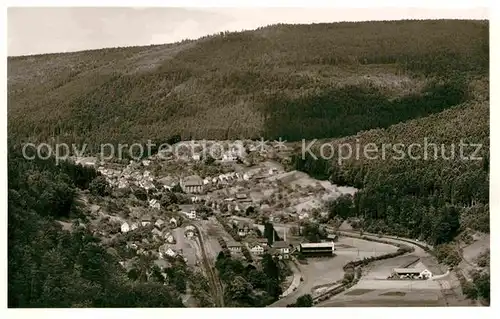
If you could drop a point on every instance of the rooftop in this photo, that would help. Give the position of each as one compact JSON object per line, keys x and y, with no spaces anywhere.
{"x":316,"y":245}
{"x":234,"y":244}
{"x":281,"y":244}
{"x":187,"y":207}
{"x":407,"y":270}
{"x":193,"y":180}
{"x":432,"y":265}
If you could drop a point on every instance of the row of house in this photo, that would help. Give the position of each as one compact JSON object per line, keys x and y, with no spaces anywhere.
{"x":283,"y":249}
{"x":194,"y":184}
{"x":147,"y":220}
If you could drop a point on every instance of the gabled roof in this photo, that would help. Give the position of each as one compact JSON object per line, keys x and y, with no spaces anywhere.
{"x":431,"y":264}
{"x":193,"y":180}
{"x":243,"y":225}
{"x":187,"y":207}
{"x":234,"y":244}
{"x":317,"y":245}
{"x":281,"y":244}
{"x":407,"y":270}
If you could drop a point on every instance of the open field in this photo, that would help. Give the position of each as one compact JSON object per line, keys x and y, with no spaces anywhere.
{"x":383,"y":302}
{"x":379,"y":292}
{"x":323,"y":271}
{"x":358,"y":292}
{"x":389,"y":293}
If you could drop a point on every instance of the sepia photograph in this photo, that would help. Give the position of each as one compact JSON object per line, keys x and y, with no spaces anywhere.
{"x":247,"y":157}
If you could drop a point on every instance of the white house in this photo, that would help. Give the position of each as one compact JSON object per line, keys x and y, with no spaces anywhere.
{"x":132,"y":246}
{"x":146,"y":220}
{"x":196,"y":157}
{"x":303,"y":216}
{"x":169,"y":238}
{"x":412,"y":273}
{"x":125,"y":227}
{"x":234,"y":246}
{"x":122,"y":183}
{"x":153,"y":203}
{"x":165,"y":251}
{"x":160,"y":223}
{"x":188,"y":210}
{"x":257,"y":249}
{"x":134,"y":226}
{"x":156,"y":233}
{"x":425,"y":268}
{"x":228,"y":157}
{"x":283,"y":248}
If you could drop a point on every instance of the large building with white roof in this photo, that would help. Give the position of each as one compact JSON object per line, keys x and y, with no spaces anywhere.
{"x":317,"y":249}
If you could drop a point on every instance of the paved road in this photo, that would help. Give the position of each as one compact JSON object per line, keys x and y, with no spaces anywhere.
{"x":296,"y":280}
{"x":397,"y":240}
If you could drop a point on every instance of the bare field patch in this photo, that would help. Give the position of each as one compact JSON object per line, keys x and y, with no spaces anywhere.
{"x":394,"y":293}
{"x":358,"y":292}
{"x":383,"y":303}
{"x":343,"y":246}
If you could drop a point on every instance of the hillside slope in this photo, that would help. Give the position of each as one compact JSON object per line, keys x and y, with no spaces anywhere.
{"x":295,"y":81}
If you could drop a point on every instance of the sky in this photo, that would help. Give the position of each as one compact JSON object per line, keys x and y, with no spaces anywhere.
{"x":52,"y":29}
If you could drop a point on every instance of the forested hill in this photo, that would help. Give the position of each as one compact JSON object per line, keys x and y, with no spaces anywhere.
{"x":293,"y":81}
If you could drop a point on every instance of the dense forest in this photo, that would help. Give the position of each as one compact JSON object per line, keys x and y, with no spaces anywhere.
{"x":52,"y":267}
{"x":432,"y":199}
{"x":247,"y":286}
{"x":295,"y":81}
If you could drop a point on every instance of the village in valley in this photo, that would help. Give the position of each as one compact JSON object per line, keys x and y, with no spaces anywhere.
{"x":190,"y":209}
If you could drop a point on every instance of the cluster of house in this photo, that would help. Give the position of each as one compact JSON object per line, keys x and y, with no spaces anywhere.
{"x":281,"y":249}
{"x":130,"y":175}
{"x":160,"y":229}
{"x":194,"y":184}
{"x":161,"y":233}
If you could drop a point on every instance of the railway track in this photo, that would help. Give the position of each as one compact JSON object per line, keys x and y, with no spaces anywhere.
{"x":213,"y":279}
